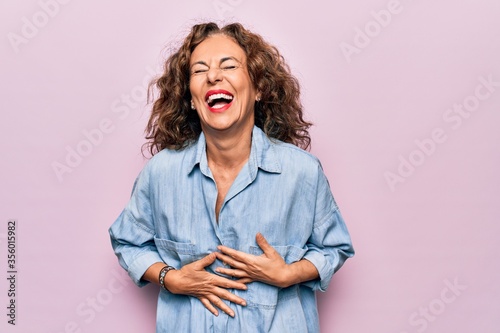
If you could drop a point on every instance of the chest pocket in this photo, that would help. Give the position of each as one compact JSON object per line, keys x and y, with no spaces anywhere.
{"x":175,"y":253}
{"x":264,"y":295}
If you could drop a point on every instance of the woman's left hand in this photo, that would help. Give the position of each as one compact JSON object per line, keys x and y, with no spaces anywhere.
{"x":269,"y":267}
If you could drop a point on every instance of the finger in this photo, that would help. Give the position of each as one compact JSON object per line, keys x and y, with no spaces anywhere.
{"x":238,"y":255}
{"x":225,"y":283}
{"x":205,"y":261}
{"x":227,"y":260}
{"x":245,"y":280}
{"x":263,"y":244}
{"x":209,"y":306}
{"x":224,"y":294}
{"x":236,"y":273}
{"x":216,"y":301}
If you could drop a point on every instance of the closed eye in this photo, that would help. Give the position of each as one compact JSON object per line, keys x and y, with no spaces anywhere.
{"x":199,"y":71}
{"x":199,"y":67}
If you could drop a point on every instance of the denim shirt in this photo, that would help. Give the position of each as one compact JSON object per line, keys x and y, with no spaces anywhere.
{"x":281,"y":192}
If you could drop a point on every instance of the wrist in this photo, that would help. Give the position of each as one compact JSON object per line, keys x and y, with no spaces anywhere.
{"x":171,"y":281}
{"x":286,"y":277}
{"x":162,"y":275}
{"x":298,"y":272}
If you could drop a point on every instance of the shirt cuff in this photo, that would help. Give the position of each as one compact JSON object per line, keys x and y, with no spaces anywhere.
{"x":325,"y":271}
{"x":140,"y":265}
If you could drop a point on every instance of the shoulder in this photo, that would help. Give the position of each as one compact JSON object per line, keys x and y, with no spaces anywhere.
{"x":296,"y":163}
{"x":289,"y":154}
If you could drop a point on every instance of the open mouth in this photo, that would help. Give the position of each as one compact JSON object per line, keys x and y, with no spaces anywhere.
{"x":218,"y":100}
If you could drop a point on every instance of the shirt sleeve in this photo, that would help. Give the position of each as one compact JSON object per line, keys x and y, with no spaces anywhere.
{"x":329,"y":245}
{"x":132,"y":234}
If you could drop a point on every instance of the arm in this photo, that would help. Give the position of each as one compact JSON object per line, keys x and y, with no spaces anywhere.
{"x":194,"y":280}
{"x":269,"y":268}
{"x":132,"y":238}
{"x":329,"y":245}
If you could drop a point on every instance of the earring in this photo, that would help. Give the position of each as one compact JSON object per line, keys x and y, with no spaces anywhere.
{"x":257,"y":99}
{"x":192,"y":105}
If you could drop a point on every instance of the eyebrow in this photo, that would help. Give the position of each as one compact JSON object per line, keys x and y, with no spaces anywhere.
{"x":229,"y":58}
{"x":201,"y":62}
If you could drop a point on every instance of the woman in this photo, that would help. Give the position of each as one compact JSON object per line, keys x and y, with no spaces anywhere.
{"x":231,"y":215}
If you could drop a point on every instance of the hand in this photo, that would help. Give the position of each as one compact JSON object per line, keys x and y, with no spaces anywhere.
{"x":210,"y":289}
{"x":269,"y":267}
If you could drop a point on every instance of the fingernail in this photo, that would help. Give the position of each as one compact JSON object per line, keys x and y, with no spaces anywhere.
{"x":231,"y":314}
{"x":244,"y":303}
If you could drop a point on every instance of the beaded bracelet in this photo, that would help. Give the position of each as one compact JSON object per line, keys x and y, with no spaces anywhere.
{"x":164,"y":272}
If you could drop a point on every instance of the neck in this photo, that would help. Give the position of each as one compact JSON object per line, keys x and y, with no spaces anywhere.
{"x":228,"y":151}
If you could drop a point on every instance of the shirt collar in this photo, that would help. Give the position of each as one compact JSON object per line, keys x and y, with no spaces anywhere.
{"x":262,"y":154}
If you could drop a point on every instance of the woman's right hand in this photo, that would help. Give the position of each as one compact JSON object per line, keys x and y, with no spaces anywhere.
{"x":210,"y":289}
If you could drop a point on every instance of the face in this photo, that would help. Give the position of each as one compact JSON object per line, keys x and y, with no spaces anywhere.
{"x":222,"y":92}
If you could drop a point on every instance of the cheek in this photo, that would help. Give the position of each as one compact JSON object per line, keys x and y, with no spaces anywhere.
{"x":194,"y":88}
{"x":197,"y":98}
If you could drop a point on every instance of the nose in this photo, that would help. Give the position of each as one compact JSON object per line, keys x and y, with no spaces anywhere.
{"x":214,"y":75}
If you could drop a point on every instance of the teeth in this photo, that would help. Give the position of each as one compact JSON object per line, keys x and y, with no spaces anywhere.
{"x":217,"y":96}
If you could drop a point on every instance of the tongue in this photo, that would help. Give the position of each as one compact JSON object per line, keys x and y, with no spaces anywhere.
{"x":219,"y":104}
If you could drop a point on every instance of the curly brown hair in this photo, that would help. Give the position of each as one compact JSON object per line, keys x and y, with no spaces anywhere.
{"x":174,"y":125}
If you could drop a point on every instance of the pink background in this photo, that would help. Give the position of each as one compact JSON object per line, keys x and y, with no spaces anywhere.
{"x":376,"y":90}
